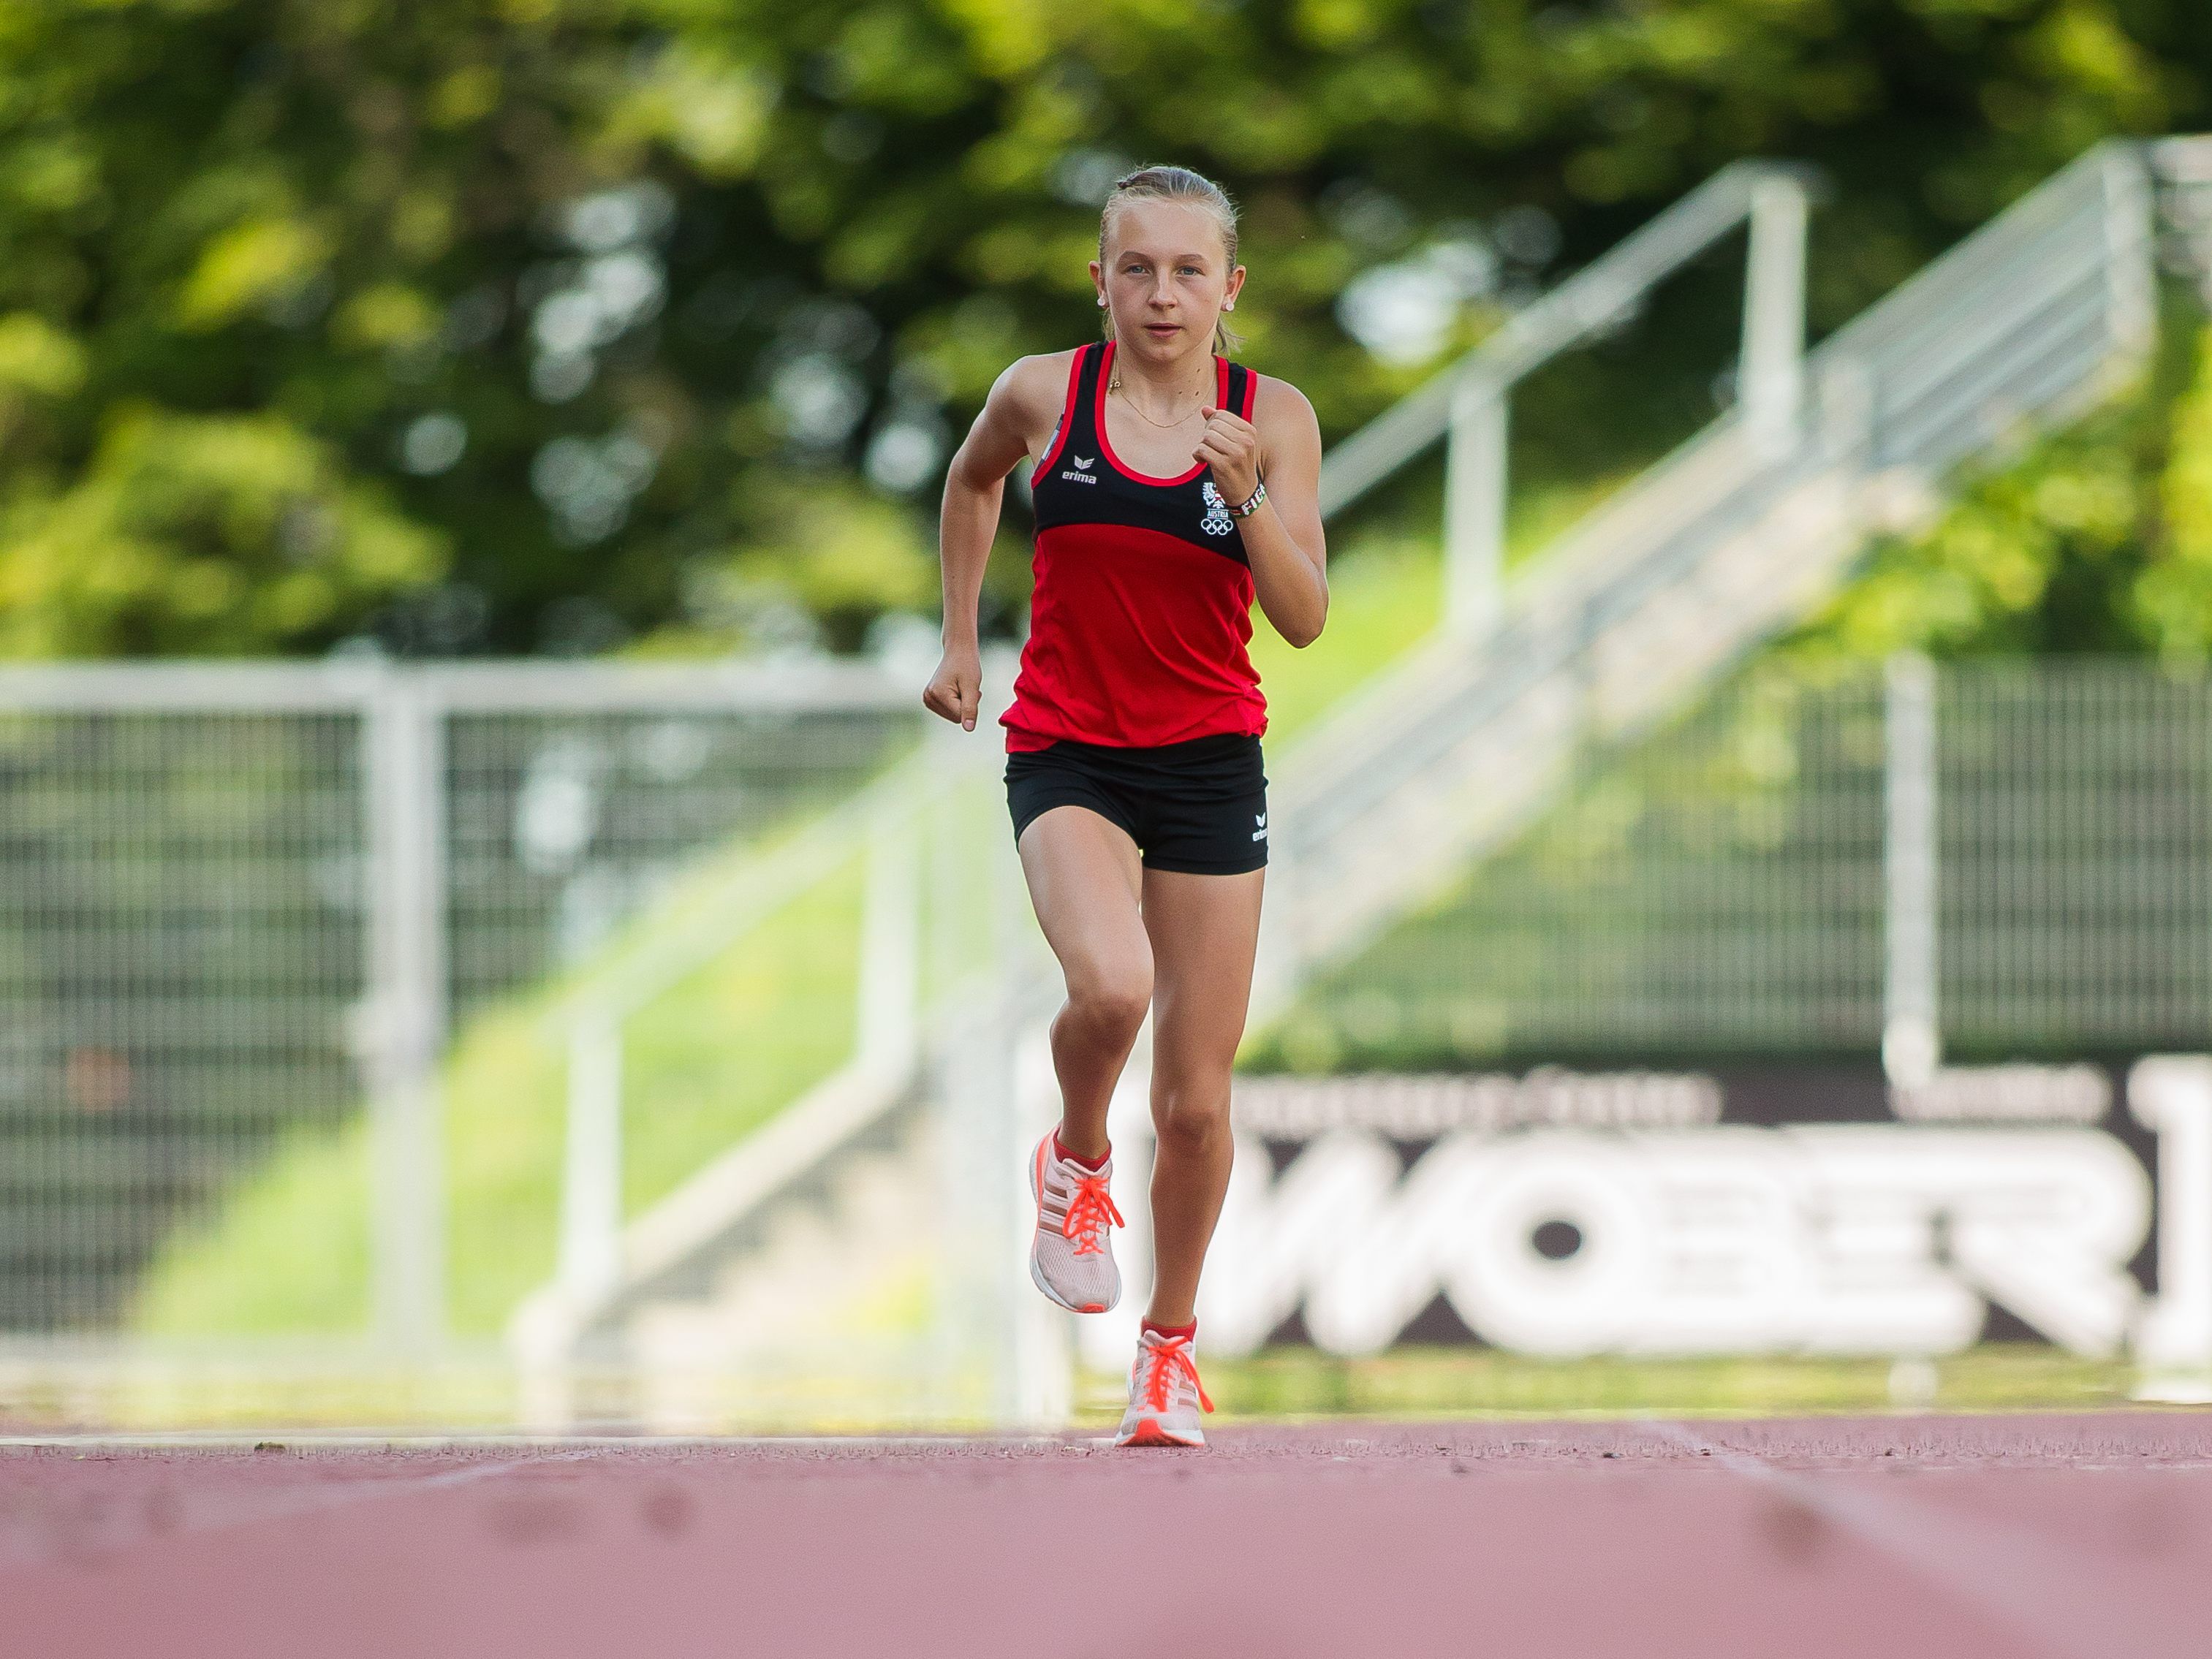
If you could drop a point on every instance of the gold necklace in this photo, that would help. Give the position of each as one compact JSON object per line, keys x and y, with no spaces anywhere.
{"x":1114,"y":385}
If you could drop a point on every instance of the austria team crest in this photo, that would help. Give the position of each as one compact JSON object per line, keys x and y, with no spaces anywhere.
{"x":1216,"y":522}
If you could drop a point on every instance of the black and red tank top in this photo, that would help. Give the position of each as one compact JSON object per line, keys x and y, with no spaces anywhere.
{"x":1142,"y":610}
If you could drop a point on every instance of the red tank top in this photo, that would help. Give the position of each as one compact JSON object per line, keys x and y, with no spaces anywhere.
{"x":1142,"y":605}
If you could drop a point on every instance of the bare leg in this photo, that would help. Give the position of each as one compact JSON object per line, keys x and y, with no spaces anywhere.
{"x":1083,"y":879}
{"x":1203,"y":931}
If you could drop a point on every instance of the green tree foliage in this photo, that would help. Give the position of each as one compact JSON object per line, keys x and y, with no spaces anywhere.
{"x":202,"y":532}
{"x":541,"y":324}
{"x":2095,"y":538}
{"x":2172,"y":599}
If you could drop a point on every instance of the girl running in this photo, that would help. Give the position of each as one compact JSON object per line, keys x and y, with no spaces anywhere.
{"x":1172,"y":487}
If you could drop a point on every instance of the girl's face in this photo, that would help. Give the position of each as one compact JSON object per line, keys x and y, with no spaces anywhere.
{"x":1165,"y":278}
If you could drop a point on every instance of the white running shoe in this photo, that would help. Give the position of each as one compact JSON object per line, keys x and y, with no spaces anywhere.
{"x":1165,"y":1395}
{"x":1071,"y":1253}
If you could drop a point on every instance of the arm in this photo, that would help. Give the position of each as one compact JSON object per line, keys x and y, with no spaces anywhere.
{"x":975,"y":488}
{"x":1283,"y":539}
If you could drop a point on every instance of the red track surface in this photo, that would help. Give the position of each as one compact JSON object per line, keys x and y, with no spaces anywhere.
{"x":1969,"y":1538}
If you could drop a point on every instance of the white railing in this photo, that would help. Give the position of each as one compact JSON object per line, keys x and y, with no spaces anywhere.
{"x":1467,"y":404}
{"x":607,"y":1258}
{"x":1706,"y":554}
{"x":877,"y":824}
{"x":2181,"y":168}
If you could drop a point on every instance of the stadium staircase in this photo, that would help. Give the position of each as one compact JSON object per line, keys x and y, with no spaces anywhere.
{"x":1443,"y":756}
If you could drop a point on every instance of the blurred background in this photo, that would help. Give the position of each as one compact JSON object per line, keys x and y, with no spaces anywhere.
{"x":486,"y":940}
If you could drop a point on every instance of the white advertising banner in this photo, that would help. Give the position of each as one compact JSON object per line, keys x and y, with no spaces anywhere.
{"x":1566,"y":1213}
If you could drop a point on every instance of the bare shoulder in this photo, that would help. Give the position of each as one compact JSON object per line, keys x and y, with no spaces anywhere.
{"x":1017,"y":418}
{"x":1031,"y":388}
{"x":1284,"y":416}
{"x":1279,"y":399}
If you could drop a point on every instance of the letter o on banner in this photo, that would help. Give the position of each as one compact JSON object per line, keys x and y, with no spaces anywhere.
{"x":1513,"y":1293}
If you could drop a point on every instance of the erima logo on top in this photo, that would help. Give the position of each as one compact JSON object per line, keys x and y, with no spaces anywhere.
{"x":1082,"y":473}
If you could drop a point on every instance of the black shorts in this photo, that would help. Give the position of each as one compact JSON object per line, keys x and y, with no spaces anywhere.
{"x":1198,"y":807}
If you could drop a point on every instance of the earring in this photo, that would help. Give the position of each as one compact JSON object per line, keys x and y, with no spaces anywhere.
{"x":1229,"y":305}
{"x":1101,"y":302}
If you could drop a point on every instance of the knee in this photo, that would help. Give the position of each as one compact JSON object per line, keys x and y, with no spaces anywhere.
{"x":1191,"y":1123}
{"x":1111,"y":1000}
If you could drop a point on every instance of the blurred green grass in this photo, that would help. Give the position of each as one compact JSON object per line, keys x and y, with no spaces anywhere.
{"x":474,"y":1389}
{"x":288,"y":1253}
{"x":1443,"y":1382}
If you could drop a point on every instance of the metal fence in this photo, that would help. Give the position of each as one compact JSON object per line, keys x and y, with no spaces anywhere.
{"x":2074,"y":864}
{"x":1976,"y":860}
{"x":182,"y":938}
{"x":245,"y":909}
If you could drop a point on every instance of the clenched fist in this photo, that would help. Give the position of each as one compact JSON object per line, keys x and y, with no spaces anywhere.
{"x":1231,"y":447}
{"x":956,"y":689}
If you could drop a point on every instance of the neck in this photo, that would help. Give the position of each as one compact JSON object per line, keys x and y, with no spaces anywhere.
{"x":1186,"y":375}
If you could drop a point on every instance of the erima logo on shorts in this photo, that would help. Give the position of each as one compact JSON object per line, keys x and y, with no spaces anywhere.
{"x":1082,"y":474}
{"x":1260,"y":833}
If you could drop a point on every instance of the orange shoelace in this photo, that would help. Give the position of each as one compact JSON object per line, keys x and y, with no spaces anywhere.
{"x":1089,"y":1207}
{"x":1163,"y":1362}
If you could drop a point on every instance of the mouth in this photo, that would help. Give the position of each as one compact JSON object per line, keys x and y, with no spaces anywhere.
{"x":1162,"y":331}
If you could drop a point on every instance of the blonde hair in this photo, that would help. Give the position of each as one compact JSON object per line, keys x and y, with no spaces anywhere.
{"x":1160,"y":183}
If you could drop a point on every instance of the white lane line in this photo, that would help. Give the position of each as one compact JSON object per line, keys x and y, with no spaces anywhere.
{"x":372,"y":1439}
{"x":2037,"y":1593}
{"x":122,"y":1523}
